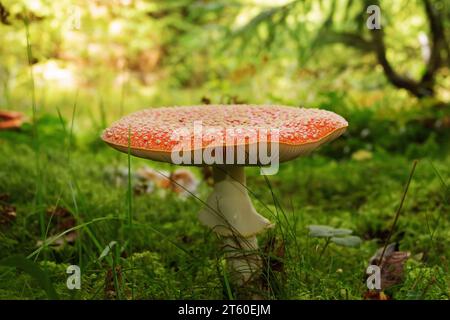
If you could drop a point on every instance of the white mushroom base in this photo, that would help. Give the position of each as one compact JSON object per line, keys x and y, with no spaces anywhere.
{"x":230,"y":213}
{"x":243,"y":259}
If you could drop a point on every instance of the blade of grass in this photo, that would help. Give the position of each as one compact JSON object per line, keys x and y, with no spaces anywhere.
{"x":76,"y":193}
{"x":444,"y":185}
{"x":36,"y":144}
{"x":165,"y":237}
{"x":226,"y":280}
{"x":103,"y":120}
{"x":130,"y":205}
{"x":49,"y":241}
{"x":72,"y":123}
{"x":431,"y":231}
{"x":130,"y":190}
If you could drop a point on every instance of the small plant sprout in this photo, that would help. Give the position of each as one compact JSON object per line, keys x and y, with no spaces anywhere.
{"x":340,"y":236}
{"x":228,"y":138}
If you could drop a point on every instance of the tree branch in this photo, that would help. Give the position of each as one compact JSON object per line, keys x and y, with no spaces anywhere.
{"x":396,"y":79}
{"x":425,"y":86}
{"x":438,"y":38}
{"x":4,"y":14}
{"x":348,"y":38}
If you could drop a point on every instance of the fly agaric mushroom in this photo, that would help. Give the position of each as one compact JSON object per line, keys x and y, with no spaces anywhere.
{"x":227,"y":137}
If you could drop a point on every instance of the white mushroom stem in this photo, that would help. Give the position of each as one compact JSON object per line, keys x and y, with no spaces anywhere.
{"x":243,"y":259}
{"x":230,"y":213}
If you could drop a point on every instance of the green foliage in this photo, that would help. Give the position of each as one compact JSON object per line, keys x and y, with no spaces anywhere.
{"x":350,"y":241}
{"x":172,"y":256}
{"x":340,"y":236}
{"x":149,"y":278}
{"x":424,"y":283}
{"x":32,"y":268}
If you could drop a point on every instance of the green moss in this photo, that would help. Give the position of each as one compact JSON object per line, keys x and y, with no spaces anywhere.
{"x":167,"y":254}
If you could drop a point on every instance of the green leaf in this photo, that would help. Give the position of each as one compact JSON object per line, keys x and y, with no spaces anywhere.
{"x":342,"y":232}
{"x":320,"y":231}
{"x":107,"y":249}
{"x":33,"y":269}
{"x":350,"y":241}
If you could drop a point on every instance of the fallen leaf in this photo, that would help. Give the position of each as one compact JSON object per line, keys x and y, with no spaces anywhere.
{"x":183,"y":182}
{"x":148,"y":180}
{"x":389,"y":250}
{"x":7,"y":210}
{"x":392,"y":269}
{"x":376,"y":295}
{"x":7,"y":214}
{"x":392,"y":265}
{"x":10,"y":120}
{"x":152,"y":177}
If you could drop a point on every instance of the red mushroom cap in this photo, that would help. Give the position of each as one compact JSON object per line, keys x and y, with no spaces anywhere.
{"x":149,"y":133}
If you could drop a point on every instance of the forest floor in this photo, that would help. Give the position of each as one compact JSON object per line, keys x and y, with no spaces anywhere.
{"x":66,"y":201}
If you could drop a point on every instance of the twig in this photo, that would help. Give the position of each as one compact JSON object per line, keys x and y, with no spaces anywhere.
{"x":397,"y":214}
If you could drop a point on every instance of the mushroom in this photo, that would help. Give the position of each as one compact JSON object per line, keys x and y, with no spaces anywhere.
{"x":228,"y":138}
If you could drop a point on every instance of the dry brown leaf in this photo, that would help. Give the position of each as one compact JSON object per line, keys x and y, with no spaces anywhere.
{"x":7,"y":213}
{"x":376,"y":295}
{"x":392,"y":268}
{"x":392,"y":265}
{"x":183,"y":182}
{"x":10,"y":120}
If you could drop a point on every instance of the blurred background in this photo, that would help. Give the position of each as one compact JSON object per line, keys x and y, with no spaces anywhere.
{"x":131,"y":54}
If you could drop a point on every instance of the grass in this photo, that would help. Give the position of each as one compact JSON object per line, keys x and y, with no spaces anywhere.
{"x":162,"y":252}
{"x":153,"y":247}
